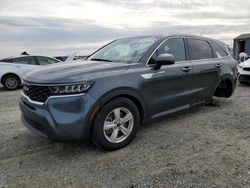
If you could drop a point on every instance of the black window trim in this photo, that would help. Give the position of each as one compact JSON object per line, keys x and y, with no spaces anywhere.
{"x":36,"y":60}
{"x":170,"y":37}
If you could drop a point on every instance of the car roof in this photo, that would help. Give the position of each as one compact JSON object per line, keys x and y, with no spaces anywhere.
{"x":172,"y":35}
{"x":162,"y":36}
{"x":188,"y":35}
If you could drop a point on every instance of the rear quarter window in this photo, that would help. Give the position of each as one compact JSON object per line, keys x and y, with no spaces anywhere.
{"x":25,"y":60}
{"x":6,"y":60}
{"x":218,"y":51}
{"x":199,"y":49}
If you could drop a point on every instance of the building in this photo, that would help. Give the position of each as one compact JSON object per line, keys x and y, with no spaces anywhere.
{"x":241,"y":44}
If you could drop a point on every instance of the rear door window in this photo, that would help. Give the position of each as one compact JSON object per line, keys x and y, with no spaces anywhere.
{"x":24,"y":60}
{"x":199,"y":49}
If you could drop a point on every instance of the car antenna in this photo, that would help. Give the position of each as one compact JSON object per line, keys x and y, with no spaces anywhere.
{"x":202,"y":31}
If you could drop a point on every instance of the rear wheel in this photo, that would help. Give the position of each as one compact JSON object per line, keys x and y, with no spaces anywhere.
{"x":116,"y":124}
{"x":11,"y":82}
{"x":224,"y":89}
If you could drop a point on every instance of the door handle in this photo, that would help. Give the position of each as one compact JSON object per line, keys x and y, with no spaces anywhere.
{"x":186,"y":69}
{"x":218,"y":65}
{"x":17,"y":66}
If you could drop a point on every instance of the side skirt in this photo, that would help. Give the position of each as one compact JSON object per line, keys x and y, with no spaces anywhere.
{"x":171,"y":111}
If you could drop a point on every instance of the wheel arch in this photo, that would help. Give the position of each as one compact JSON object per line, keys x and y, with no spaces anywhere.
{"x":225,"y":87}
{"x":130,"y":94}
{"x":11,"y":74}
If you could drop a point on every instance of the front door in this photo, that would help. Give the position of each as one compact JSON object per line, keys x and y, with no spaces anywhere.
{"x":170,"y":87}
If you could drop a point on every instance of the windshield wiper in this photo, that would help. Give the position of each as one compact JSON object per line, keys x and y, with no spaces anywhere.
{"x":99,"y":59}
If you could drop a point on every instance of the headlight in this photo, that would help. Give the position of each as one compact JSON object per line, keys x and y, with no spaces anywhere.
{"x":71,"y":88}
{"x":240,"y":66}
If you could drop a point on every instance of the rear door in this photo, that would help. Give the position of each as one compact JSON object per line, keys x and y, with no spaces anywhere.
{"x":24,"y":64}
{"x":206,"y":69}
{"x":170,"y":87}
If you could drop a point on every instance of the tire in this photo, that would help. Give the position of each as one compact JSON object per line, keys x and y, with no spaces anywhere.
{"x":111,"y":131}
{"x":11,"y":82}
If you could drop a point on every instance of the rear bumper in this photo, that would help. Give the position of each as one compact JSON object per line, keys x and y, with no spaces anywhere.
{"x":65,"y":118}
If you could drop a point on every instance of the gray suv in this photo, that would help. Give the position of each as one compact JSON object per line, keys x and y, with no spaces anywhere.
{"x":124,"y":84}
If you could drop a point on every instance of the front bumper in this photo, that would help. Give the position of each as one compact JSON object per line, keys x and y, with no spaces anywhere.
{"x":243,"y":75}
{"x":244,"y":78}
{"x":60,"y":118}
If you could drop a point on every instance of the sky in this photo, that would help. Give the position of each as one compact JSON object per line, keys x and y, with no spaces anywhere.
{"x":61,"y":27}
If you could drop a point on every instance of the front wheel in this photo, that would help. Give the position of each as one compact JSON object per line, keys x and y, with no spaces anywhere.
{"x":116,"y":124}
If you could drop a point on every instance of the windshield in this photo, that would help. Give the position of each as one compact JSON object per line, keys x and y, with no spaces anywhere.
{"x":124,"y":50}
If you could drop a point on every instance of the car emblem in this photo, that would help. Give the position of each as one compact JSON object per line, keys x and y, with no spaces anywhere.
{"x":26,"y":88}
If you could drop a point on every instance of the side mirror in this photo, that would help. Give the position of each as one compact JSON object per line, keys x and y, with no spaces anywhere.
{"x":164,"y":59}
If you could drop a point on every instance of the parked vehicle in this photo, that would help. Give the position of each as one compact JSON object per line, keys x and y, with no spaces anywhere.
{"x":124,"y":84}
{"x":244,"y":72}
{"x":12,"y":69}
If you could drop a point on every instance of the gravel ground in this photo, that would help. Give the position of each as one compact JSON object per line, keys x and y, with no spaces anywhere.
{"x":203,"y":147}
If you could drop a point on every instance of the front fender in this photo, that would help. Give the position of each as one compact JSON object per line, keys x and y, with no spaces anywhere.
{"x":130,"y":93}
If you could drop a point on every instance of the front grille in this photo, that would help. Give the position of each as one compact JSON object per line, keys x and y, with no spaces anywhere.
{"x":37,"y":93}
{"x":246,"y":69}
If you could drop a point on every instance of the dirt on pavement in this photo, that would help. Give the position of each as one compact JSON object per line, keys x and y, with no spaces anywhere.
{"x":202,"y":147}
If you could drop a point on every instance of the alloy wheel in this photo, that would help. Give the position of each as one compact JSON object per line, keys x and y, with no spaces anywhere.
{"x":118,"y":125}
{"x":11,"y":83}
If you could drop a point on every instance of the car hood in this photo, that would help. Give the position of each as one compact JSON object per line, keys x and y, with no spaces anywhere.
{"x":74,"y":72}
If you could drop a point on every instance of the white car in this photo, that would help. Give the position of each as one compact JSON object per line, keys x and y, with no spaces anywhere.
{"x":244,"y":71}
{"x":12,"y":69}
